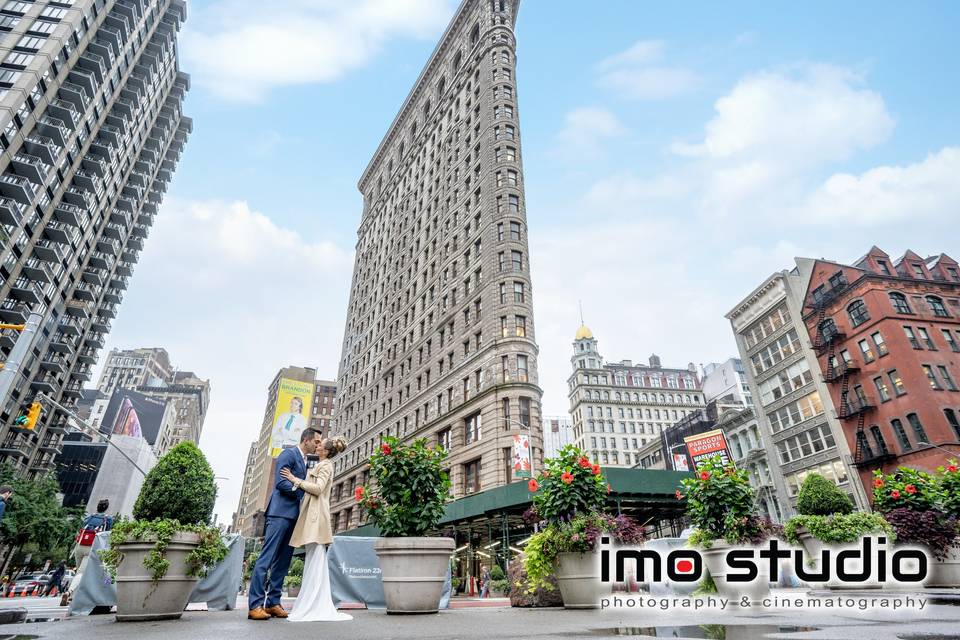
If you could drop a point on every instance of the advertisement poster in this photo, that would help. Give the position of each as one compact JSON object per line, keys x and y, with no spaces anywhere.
{"x":521,"y":456}
{"x":680,"y":462}
{"x":294,"y":402}
{"x":131,"y":413}
{"x":704,"y":446}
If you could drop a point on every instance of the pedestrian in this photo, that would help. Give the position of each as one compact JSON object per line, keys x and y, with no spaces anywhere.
{"x":5,"y":493}
{"x":56,"y":579}
{"x":484,"y":581}
{"x":92,"y":525}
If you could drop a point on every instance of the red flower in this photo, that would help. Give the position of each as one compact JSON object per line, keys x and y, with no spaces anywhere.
{"x":385,"y":449}
{"x":704,"y":475}
{"x":952,"y":468}
{"x":595,"y":469}
{"x":609,"y":488}
{"x":878,"y":483}
{"x":373,"y":504}
{"x":584,"y":462}
{"x":895,"y":494}
{"x":910,"y":489}
{"x":358,"y":494}
{"x":533,"y":485}
{"x":567,"y":477}
{"x":679,"y":495}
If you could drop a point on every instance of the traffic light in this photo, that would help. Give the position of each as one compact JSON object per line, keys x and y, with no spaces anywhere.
{"x":29,"y":421}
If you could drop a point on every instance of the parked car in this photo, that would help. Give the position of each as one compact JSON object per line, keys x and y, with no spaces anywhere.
{"x":27,"y":583}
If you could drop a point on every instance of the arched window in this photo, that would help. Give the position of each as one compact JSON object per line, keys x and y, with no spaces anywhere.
{"x":617,"y":396}
{"x":900,"y":304}
{"x":918,"y":429}
{"x":864,"y":446}
{"x":952,"y":419}
{"x":441,"y":86}
{"x":828,"y":329}
{"x":878,"y":438}
{"x":936,"y":305}
{"x":858,"y":313}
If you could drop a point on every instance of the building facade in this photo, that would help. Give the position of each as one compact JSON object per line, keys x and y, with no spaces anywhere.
{"x":887,"y":338}
{"x":727,"y":383}
{"x":92,"y":129}
{"x":132,"y":368}
{"x":188,"y":397}
{"x":618,"y":409}
{"x":795,"y":416}
{"x":439,"y":340}
{"x":324,"y":406}
{"x":748,"y":451}
{"x":244,"y":515}
{"x":557,"y":433}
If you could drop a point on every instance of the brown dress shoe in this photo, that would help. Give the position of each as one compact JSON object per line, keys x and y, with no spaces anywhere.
{"x":277,"y":611}
{"x":258,"y":614}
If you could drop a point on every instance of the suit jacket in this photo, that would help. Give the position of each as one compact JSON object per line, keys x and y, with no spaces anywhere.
{"x":313,"y":525}
{"x":285,"y":500}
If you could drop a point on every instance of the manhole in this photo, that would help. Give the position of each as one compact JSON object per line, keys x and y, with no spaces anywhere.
{"x":707,"y":631}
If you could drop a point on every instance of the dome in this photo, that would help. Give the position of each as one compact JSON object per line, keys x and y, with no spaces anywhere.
{"x":584,"y":333}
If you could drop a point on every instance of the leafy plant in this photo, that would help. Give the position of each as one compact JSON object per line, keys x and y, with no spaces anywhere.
{"x":719,"y":502}
{"x":931,"y":528}
{"x":496,"y":573}
{"x":296,"y":567}
{"x":180,"y":487}
{"x":905,"y":487}
{"x":34,"y":520}
{"x":500,"y":586}
{"x":820,"y":497}
{"x":839,"y":528}
{"x":569,"y":485}
{"x":411,"y":488}
{"x":949,"y":485}
{"x":209,"y":553}
{"x":293,"y":581}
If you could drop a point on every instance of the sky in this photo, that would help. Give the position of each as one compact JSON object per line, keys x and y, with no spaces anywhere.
{"x":675,"y":155}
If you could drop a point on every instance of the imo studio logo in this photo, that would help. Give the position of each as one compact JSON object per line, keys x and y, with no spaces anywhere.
{"x":871,"y":562}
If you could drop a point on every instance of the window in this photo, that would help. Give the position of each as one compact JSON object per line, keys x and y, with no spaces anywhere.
{"x":516,"y":260}
{"x":936,"y":306}
{"x":858,"y":313}
{"x":499,"y":232}
{"x":954,"y":346}
{"x":521,"y":323}
{"x":525,"y":412}
{"x":471,"y":477}
{"x":880,"y":343}
{"x":952,"y":419}
{"x":864,"y":445}
{"x":908,"y":331}
{"x":931,"y":377}
{"x":866,"y":351}
{"x":878,"y":439}
{"x":882,"y":390}
{"x":927,"y":340}
{"x":796,"y":412}
{"x":947,"y":378}
{"x":897,"y":382}
{"x":472,"y":426}
{"x":522,"y":368}
{"x":917,"y":428}
{"x":515,"y":231}
{"x":503,"y":293}
{"x":901,"y":434}
{"x":518,"y":295}
{"x":900,"y":304}
{"x":443,"y":439}
{"x":884,"y":267}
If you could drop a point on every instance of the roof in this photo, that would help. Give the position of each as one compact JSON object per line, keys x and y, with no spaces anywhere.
{"x":584,"y":333}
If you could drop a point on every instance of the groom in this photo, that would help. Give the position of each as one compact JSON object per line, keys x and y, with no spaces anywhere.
{"x":281,"y":516}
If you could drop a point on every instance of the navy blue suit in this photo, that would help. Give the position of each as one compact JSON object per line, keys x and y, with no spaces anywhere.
{"x":281,"y":517}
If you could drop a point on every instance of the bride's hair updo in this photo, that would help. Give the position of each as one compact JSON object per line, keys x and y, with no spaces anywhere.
{"x":333,"y":446}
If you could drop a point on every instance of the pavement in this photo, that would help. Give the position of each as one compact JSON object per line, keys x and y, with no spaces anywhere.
{"x":938,"y":620}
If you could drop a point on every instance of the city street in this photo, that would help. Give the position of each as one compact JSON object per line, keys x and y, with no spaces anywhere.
{"x":938,"y":621}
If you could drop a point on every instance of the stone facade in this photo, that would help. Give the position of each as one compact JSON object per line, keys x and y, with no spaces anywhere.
{"x":439,"y":340}
{"x":132,"y":368}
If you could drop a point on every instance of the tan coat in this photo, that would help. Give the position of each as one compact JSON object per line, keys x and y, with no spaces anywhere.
{"x":313,"y":525}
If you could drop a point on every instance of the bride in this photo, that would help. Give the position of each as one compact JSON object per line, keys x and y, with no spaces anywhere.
{"x":315,"y":603}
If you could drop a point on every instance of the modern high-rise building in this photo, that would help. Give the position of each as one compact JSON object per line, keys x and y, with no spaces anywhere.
{"x":132,"y":368}
{"x":91,"y":130}
{"x":439,"y":340}
{"x":188,"y":397}
{"x":618,"y":408}
{"x":726,"y":382}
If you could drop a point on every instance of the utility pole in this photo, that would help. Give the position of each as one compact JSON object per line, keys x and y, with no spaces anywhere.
{"x":11,"y":369}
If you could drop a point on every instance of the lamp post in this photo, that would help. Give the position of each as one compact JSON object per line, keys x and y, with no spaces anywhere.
{"x":928,"y":444}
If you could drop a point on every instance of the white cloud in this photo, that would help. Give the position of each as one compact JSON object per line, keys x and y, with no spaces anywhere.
{"x":636,"y":73}
{"x":585,"y":128}
{"x":234,"y":297}
{"x":244,"y":48}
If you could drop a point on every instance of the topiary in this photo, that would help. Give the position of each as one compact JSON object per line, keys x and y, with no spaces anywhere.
{"x":497,"y":573}
{"x":181,"y":487}
{"x":820,"y":497}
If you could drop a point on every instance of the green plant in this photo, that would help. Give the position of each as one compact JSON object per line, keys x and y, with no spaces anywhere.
{"x":820,"y":497}
{"x":905,"y":487}
{"x":931,"y":528}
{"x":180,"y":487}
{"x":251,"y":562}
{"x":455,"y":583}
{"x":948,"y":478}
{"x":500,"y":586}
{"x":293,"y":581}
{"x":296,"y":567}
{"x":411,"y":488}
{"x":719,"y":503}
{"x":496,"y":573}
{"x":569,"y":485}
{"x":210,"y":551}
{"x":706,"y":586}
{"x":840,"y":528}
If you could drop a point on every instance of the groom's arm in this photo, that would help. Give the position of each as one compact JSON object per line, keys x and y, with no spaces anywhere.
{"x":285,"y":461}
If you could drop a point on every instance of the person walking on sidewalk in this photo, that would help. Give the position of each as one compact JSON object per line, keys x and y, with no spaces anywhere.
{"x":484,"y":581}
{"x":92,"y":525}
{"x":56,"y":579}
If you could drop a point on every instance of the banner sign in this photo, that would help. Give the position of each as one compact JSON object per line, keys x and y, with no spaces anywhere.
{"x":680,"y":462}
{"x":521,"y":456}
{"x":294,"y":401}
{"x":704,"y":446}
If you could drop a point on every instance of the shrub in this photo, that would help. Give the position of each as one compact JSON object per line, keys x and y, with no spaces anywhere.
{"x":180,"y":487}
{"x":949,"y":481}
{"x":820,"y":497}
{"x":569,"y":485}
{"x":719,"y":503}
{"x":296,"y":567}
{"x":932,"y":528}
{"x":500,"y":586}
{"x":496,"y":573}
{"x":905,"y":487}
{"x":839,"y":528}
{"x":411,"y":488}
{"x":293,"y":581}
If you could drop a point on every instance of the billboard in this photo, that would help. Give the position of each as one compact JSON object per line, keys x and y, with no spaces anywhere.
{"x":130,"y":413}
{"x":292,"y":415}
{"x":521,"y":456}
{"x":704,"y":446}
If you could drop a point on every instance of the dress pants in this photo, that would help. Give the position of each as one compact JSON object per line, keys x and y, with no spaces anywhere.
{"x":273,"y":563}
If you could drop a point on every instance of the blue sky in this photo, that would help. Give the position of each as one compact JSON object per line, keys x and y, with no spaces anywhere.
{"x":674,"y":154}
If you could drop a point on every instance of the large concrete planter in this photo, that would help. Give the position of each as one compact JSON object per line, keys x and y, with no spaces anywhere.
{"x":293,"y":592}
{"x":413,"y":572}
{"x":945,"y":573}
{"x":578,"y":575}
{"x":138,"y":596}
{"x":814,"y":548}
{"x":714,"y":559}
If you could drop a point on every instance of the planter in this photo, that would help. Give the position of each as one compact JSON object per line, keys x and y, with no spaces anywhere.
{"x":578,"y":575}
{"x":715,"y":560}
{"x":138,"y":596}
{"x":945,"y":573}
{"x":413,"y":571}
{"x":293,"y":592}
{"x":814,"y":547}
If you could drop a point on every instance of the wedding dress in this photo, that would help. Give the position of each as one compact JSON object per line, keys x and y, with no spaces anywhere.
{"x":315,"y":602}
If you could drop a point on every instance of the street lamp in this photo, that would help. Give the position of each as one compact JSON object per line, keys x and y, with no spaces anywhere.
{"x":927,"y":444}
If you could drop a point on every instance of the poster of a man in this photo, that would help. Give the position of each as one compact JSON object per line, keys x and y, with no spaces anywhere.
{"x":288,"y":426}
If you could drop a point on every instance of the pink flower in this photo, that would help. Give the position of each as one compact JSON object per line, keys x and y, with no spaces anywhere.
{"x":567,"y":477}
{"x":533,"y":485}
{"x":679,"y":495}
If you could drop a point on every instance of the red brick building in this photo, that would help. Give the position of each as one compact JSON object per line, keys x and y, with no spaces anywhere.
{"x":887,"y":336}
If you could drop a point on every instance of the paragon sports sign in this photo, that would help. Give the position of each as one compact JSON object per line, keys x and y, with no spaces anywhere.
{"x":707,"y":445}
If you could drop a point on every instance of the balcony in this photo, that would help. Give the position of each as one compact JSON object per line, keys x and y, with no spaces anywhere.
{"x":65,"y":112}
{"x":92,"y":277}
{"x":87,"y":356}
{"x":135,"y":243}
{"x":63,"y":343}
{"x":59,"y":233}
{"x":8,"y":338}
{"x":114,"y":231}
{"x":102,"y":147}
{"x":48,"y":251}
{"x":82,"y":373}
{"x":95,"y":164}
{"x":121,"y":218}
{"x":36,"y":271}
{"x":43,"y":147}
{"x":112,"y":133}
{"x":11,"y":212}
{"x":71,"y":327}
{"x":94,"y":340}
{"x":109,"y":247}
{"x":109,"y":311}
{"x":15,"y":445}
{"x":126,"y":203}
{"x":51,"y":445}
{"x":55,"y":128}
{"x":101,"y":324}
{"x":95,"y":63}
{"x":30,"y":166}
{"x":100,"y":261}
{"x":54,"y":362}
{"x":125,"y":106}
{"x":832,"y":374}
{"x":124,"y":269}
{"x":113,"y":295}
{"x":17,"y":187}
{"x":27,"y":292}
{"x":119,"y":282}
{"x":830,"y":292}
{"x":141,"y":231}
{"x":69,"y":214}
{"x":46,"y":384}
{"x":854,"y":407}
{"x":85,"y":79}
{"x":104,"y":50}
{"x":73,"y":390}
{"x":78,"y":198}
{"x":84,"y":292}
{"x":75,"y":95}
{"x":133,"y":191}
{"x":88,"y":181}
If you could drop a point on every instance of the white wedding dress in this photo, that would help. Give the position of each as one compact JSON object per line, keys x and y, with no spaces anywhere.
{"x":315,"y":602}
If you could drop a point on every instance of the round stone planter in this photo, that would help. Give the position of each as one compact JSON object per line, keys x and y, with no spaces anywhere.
{"x":293,"y":592}
{"x":138,"y":596}
{"x":413,"y":571}
{"x":814,"y":548}
{"x":945,"y":573}
{"x":714,"y":559}
{"x":578,"y":576}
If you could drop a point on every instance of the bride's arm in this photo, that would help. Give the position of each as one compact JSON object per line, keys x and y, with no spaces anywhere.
{"x":322,"y":473}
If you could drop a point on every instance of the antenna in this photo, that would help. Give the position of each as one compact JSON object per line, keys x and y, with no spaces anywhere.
{"x":580,"y":302}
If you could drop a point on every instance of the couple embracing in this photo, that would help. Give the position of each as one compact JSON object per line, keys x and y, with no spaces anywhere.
{"x":298,"y":515}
